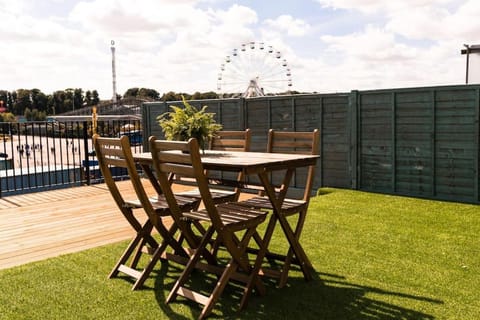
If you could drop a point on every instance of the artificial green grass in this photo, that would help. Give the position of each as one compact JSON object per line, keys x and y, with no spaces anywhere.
{"x":376,"y":257}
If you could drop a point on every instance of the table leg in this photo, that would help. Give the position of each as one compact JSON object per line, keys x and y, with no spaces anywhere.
{"x":287,"y":230}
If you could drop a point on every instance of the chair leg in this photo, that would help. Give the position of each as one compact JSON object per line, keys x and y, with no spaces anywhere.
{"x":126,"y":255}
{"x":190,"y":265}
{"x":239,"y":260}
{"x":289,"y":257}
{"x":138,"y":254}
{"x":151,"y":264}
{"x":232,"y":266}
{"x":253,"y":277}
{"x":146,"y":230}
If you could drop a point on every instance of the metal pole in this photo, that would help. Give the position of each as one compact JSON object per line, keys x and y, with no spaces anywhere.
{"x":114,"y":80}
{"x":468,"y":62}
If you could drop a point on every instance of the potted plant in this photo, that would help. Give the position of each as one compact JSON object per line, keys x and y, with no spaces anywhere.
{"x":189,"y":122}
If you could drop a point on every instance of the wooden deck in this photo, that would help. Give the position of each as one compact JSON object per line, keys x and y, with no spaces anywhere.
{"x":41,"y":225}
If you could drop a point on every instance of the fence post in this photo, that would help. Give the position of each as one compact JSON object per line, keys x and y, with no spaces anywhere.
{"x":354,"y":137}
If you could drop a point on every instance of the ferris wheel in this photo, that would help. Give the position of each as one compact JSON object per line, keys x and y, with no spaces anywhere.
{"x":254,"y":70}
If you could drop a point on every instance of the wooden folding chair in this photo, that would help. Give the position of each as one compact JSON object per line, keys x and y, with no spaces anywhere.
{"x":116,"y":153}
{"x":299,"y":143}
{"x":227,"y":220}
{"x":226,"y":141}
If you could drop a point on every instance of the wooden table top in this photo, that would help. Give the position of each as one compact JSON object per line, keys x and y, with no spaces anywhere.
{"x":249,"y":162}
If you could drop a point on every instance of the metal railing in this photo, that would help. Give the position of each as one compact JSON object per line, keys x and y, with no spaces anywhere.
{"x":38,"y":156}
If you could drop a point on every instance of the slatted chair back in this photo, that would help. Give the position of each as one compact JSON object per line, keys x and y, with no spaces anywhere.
{"x":182,"y":159}
{"x":296,"y":142}
{"x":225,"y":141}
{"x":231,"y":140}
{"x":117,"y":152}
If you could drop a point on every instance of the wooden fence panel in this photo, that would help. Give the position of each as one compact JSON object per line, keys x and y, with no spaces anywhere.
{"x":414,"y":116}
{"x":376,"y":150}
{"x":420,"y":142}
{"x":456,"y":144}
{"x":335,"y":143}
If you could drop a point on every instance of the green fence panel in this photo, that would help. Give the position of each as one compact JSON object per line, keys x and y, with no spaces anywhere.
{"x":421,"y":142}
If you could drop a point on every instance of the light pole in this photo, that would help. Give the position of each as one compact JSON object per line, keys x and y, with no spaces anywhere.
{"x":469,"y":49}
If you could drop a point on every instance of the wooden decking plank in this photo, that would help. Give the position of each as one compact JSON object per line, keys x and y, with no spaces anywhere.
{"x":73,"y":245}
{"x":5,"y":204}
{"x":47,"y":224}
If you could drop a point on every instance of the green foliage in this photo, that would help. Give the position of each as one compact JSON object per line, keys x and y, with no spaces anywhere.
{"x":145,"y":93}
{"x":7,"y":117}
{"x":173,"y":96}
{"x":35,"y":115}
{"x":189,"y":122}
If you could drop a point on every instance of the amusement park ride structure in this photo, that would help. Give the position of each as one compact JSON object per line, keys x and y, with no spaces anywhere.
{"x":254,"y":70}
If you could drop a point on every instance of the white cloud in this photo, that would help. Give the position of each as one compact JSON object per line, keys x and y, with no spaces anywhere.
{"x":179,"y":45}
{"x":288,"y":25}
{"x":374,"y":59}
{"x":387,"y":7}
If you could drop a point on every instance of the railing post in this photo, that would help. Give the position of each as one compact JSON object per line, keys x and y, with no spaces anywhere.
{"x":86,"y":152}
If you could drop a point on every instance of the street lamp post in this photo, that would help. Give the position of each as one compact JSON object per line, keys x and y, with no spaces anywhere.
{"x":469,"y":49}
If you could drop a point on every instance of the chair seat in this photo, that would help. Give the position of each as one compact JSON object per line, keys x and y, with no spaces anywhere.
{"x":289,"y":206}
{"x":160,"y":204}
{"x":234,"y":216}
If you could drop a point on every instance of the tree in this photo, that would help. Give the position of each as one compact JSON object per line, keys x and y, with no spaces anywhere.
{"x":206,"y":95}
{"x":22,"y":102}
{"x":39,"y":100}
{"x":142,"y":93}
{"x":58,"y":102}
{"x":132,"y":92}
{"x":148,"y":93}
{"x":88,"y":98}
{"x":172,"y":96}
{"x":95,"y":98}
{"x":78,"y":98}
{"x":4,"y":98}
{"x":34,"y":115}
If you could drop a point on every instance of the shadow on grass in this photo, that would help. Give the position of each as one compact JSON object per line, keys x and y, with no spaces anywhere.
{"x":327,"y":297}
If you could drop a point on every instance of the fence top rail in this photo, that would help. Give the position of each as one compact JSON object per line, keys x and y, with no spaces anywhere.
{"x":99,"y":117}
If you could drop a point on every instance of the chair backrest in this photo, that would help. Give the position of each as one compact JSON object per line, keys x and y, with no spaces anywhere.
{"x":117,"y":152}
{"x":296,"y":142}
{"x":231,"y":140}
{"x":183,"y":159}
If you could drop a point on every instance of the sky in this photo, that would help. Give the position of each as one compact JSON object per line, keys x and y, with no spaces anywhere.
{"x":328,"y":46}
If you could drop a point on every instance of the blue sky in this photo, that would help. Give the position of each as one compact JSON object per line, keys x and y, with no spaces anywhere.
{"x":180,"y":45}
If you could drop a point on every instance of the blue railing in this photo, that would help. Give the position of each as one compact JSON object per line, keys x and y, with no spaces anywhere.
{"x":38,"y":156}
